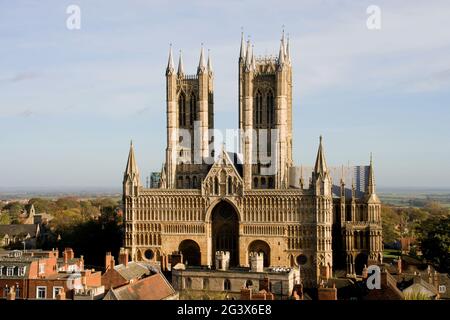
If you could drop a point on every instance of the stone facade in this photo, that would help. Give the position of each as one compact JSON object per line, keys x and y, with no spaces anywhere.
{"x":236,"y":204}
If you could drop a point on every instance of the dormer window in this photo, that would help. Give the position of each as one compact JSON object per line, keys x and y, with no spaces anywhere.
{"x":21,"y":271}
{"x":10,"y":271}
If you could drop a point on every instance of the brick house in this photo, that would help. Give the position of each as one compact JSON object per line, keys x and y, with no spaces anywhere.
{"x":36,"y":275}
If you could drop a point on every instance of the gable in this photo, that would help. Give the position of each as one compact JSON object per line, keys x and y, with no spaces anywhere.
{"x":223,"y":178}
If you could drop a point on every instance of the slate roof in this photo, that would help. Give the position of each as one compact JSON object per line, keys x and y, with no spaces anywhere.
{"x":154,"y":287}
{"x":134,"y":270}
{"x":18,"y":229}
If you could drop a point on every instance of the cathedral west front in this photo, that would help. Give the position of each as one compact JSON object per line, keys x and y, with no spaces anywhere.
{"x":317,"y":218}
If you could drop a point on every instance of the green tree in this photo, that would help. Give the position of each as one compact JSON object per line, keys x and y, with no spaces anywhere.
{"x":390,"y":221}
{"x":434,"y":236}
{"x":4,"y":218}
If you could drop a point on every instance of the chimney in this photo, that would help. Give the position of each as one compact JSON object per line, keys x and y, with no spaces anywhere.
{"x":11,"y":293}
{"x":327,"y":293}
{"x":256,"y":262}
{"x":123,"y":256}
{"x":246,"y":294}
{"x":109,"y":261}
{"x":69,"y":253}
{"x":81,"y":263}
{"x":399,"y":266}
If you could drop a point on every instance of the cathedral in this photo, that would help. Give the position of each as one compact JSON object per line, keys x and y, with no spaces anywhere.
{"x":319,"y":220}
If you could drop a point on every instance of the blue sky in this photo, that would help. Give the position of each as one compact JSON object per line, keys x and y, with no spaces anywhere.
{"x":70,"y":101}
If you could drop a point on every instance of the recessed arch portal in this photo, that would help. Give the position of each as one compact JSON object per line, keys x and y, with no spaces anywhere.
{"x":225,"y":231}
{"x":191,"y":252}
{"x":260,"y":246}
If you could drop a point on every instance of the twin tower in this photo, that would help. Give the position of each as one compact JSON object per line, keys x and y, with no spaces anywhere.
{"x":265,"y":120}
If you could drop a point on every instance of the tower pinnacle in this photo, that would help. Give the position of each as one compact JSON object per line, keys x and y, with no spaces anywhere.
{"x":371,"y":180}
{"x":242,"y":51}
{"x":320,"y":167}
{"x":180,"y":65}
{"x":210,"y":68}
{"x":201,"y":63}
{"x":170,"y":65}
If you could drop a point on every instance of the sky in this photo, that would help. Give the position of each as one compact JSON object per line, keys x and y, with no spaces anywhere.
{"x":71,"y":100}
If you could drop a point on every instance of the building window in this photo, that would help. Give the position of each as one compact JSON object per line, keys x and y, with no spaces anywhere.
{"x":182,"y":110}
{"x":41,"y":268}
{"x":188,"y":283}
{"x":41,"y":293}
{"x":230,"y":185}
{"x":10,"y":271}
{"x":216,"y":185}
{"x":21,"y":271}
{"x":205,"y":284}
{"x":56,"y":291}
{"x":255,"y":183}
{"x":258,"y":101}
{"x":1,"y":270}
{"x":193,"y":109}
{"x":226,"y":285}
{"x":270,"y":109}
{"x":249,"y":284}
{"x":5,"y":291}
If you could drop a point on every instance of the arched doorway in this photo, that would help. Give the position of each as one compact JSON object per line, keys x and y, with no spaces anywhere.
{"x":191,"y":252}
{"x":260,"y":246}
{"x":225,"y":231}
{"x":360,"y":261}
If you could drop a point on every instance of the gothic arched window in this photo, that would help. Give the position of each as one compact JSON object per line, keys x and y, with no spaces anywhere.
{"x":182,"y":110}
{"x":216,"y":185}
{"x":193,"y":109}
{"x":226,"y":285}
{"x":270,"y":108}
{"x":230,"y":185}
{"x":258,"y":103}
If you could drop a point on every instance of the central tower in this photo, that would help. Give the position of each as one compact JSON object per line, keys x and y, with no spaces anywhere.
{"x":265,"y":116}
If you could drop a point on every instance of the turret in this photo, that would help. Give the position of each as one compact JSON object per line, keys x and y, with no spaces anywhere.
{"x":131,"y":179}
{"x":203,"y":82}
{"x":281,"y":116}
{"x":171,"y":120}
{"x":321,"y":178}
{"x":248,"y":117}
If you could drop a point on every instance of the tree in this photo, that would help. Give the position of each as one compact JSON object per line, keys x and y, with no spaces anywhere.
{"x":434,"y":236}
{"x":4,"y":218}
{"x":390,"y":221}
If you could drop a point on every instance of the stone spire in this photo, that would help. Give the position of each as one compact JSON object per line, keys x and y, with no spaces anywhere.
{"x":201,"y":63}
{"x":320,"y":167}
{"x":132,"y":169}
{"x":288,"y":51}
{"x":342,"y":182}
{"x":248,"y":56}
{"x":180,"y":65}
{"x":170,"y":65}
{"x":253,"y":61}
{"x":210,"y":68}
{"x":281,"y":53}
{"x":371,"y":180}
{"x":243,"y":48}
